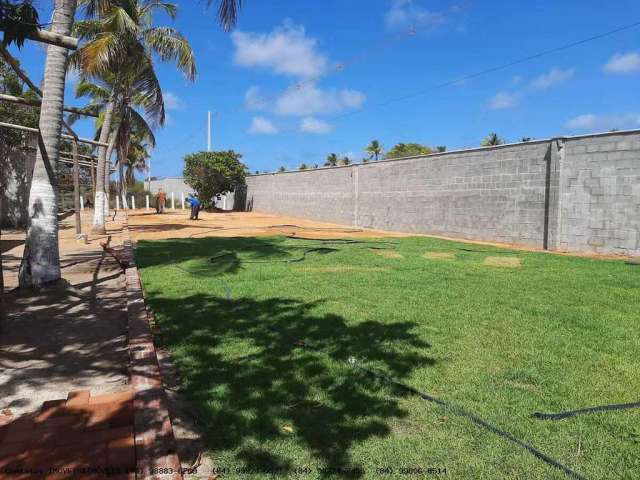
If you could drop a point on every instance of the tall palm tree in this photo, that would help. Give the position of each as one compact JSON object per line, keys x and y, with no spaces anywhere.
{"x":41,"y":259}
{"x":374,"y":149}
{"x":120,"y":40}
{"x":332,"y":160}
{"x":129,"y":122}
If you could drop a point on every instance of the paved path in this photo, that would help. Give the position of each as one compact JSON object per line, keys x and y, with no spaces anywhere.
{"x":67,"y":336}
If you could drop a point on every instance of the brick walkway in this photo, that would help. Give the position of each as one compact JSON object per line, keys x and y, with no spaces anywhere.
{"x":90,"y":335}
{"x":81,"y":437}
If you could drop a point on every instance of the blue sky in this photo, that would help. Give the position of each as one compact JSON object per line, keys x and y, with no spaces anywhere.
{"x":300,"y":79}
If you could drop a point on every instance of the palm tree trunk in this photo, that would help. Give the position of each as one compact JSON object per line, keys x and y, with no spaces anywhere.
{"x":102,"y":183}
{"x":41,"y":258}
{"x":107,"y":173}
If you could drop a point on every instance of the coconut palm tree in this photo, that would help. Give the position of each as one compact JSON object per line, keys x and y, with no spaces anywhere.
{"x":374,"y":149}
{"x":492,"y":140}
{"x":133,"y":110}
{"x":139,"y":153}
{"x":332,"y":160}
{"x":41,"y":259}
{"x":119,"y":41}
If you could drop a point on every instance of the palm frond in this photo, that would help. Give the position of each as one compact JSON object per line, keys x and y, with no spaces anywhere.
{"x":170,"y":45}
{"x":228,"y":13}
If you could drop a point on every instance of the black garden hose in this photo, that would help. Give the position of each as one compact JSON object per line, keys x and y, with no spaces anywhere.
{"x":582,"y":411}
{"x":457,"y":411}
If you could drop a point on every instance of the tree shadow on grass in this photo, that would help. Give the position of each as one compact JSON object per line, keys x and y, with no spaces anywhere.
{"x":221,"y":254}
{"x":241,"y":364}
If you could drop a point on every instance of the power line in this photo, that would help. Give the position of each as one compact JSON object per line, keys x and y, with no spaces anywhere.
{"x":493,"y":69}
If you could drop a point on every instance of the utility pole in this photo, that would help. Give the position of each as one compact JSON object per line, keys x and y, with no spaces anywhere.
{"x":208,"y":130}
{"x":149,"y":174}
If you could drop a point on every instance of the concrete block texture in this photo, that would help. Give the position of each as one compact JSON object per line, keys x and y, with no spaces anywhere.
{"x":556,"y":194}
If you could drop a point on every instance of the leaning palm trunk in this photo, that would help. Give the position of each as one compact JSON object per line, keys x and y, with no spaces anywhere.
{"x":102,"y":186}
{"x":41,"y":258}
{"x":107,"y":173}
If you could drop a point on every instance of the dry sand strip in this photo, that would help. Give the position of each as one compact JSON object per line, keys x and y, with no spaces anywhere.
{"x":387,"y":253}
{"x":439,"y":255}
{"x":505,"y":262}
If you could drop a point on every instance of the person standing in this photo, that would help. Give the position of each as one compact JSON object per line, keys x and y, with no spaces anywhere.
{"x":161,"y":200}
{"x":195,"y":206}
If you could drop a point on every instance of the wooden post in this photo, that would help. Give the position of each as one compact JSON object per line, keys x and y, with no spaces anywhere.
{"x":76,"y":187}
{"x":133,"y":202}
{"x":81,"y":203}
{"x":147,"y":203}
{"x":182,"y":199}
{"x":173,"y":202}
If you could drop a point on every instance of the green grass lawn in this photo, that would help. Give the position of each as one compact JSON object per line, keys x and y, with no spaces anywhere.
{"x":557,"y":333}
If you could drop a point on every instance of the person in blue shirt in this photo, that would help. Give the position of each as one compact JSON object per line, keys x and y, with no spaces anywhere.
{"x":192,"y":200}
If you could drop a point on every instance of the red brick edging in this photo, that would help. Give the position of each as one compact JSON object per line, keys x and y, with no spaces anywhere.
{"x":156,"y":456}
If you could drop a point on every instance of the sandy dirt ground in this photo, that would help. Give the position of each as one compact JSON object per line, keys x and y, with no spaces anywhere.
{"x":176,"y":224}
{"x":67,"y":336}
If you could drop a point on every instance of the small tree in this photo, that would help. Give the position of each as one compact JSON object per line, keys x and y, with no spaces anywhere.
{"x":441,"y":148}
{"x":282,"y":169}
{"x":408,"y":150}
{"x":214,"y":173}
{"x":344,"y":161}
{"x":492,"y":140}
{"x":303,"y":166}
{"x":525,"y":139}
{"x":332,"y":160}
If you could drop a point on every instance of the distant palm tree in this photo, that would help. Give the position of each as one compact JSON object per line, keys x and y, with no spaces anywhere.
{"x":374,"y":149}
{"x":491,"y":140}
{"x":282,"y":169}
{"x":344,"y":161}
{"x":332,"y":160}
{"x":139,"y":153}
{"x":303,"y":166}
{"x":525,"y":139}
{"x":41,"y":258}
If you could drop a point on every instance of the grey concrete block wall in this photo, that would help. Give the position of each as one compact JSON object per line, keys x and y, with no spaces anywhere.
{"x":600,"y":194}
{"x":570,"y":194}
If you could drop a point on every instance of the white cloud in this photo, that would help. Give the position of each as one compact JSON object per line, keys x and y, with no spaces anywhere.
{"x":261,"y":125}
{"x":313,"y":125}
{"x":404,"y":13}
{"x":553,"y":77}
{"x":308,"y":99}
{"x":623,"y":63}
{"x":598,"y":122}
{"x":172,"y":101}
{"x":286,"y":51}
{"x":502,"y":100}
{"x":253,"y":100}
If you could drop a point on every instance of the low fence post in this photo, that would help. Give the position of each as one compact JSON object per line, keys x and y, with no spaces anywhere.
{"x":173,"y":202}
{"x":133,"y":202}
{"x":117,"y":202}
{"x":147,"y":197}
{"x":81,"y":202}
{"x":182,"y":199}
